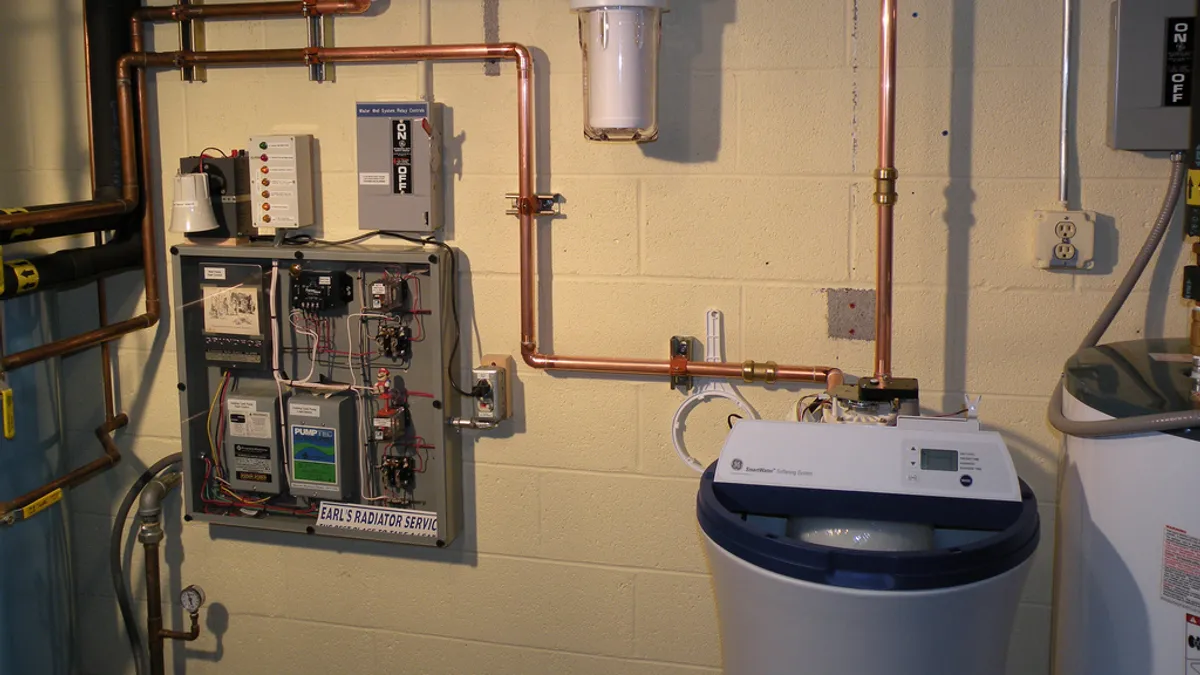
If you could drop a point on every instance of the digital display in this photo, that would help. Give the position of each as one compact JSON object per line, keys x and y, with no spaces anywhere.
{"x":939,"y":460}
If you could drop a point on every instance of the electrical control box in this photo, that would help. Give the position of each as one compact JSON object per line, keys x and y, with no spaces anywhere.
{"x":252,"y":454}
{"x":281,"y":181}
{"x":229,"y":186}
{"x":321,"y":445}
{"x":1151,"y":74}
{"x":400,"y":166}
{"x":362,"y":447}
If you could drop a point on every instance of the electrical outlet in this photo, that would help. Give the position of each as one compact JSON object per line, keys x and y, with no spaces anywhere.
{"x":1064,"y":239}
{"x":1065,"y":252}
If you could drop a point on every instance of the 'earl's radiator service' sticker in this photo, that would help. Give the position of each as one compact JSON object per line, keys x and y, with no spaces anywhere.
{"x":378,"y":519}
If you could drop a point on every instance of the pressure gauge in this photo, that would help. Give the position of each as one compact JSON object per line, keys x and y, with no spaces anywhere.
{"x":192,"y":598}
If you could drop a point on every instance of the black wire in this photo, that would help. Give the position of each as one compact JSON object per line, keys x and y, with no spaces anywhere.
{"x":732,"y":416}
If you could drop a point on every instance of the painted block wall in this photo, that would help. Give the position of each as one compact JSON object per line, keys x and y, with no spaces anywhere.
{"x":581,"y":553}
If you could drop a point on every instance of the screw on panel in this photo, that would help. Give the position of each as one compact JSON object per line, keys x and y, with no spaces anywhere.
{"x":187,"y":519}
{"x":441,"y":543}
{"x":182,"y":386}
{"x":174,"y":250}
{"x":299,"y":255}
{"x":310,"y":530}
{"x":437,"y":405}
{"x":433,"y":259}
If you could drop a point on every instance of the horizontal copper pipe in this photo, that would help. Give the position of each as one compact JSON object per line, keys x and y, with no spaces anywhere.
{"x":663,"y":368}
{"x":112,"y":455}
{"x":248,"y":10}
{"x":58,"y":213}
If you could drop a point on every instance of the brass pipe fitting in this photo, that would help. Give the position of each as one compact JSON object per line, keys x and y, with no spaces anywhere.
{"x":885,"y":186}
{"x":760,"y":372}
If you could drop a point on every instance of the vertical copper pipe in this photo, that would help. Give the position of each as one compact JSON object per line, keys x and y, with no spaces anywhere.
{"x":154,"y":618}
{"x":187,"y":41}
{"x":149,"y":233}
{"x":110,"y":406}
{"x":885,"y":194}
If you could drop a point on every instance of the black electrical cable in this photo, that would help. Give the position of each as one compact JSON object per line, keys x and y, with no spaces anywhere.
{"x":114,"y":558}
{"x":729,"y":420}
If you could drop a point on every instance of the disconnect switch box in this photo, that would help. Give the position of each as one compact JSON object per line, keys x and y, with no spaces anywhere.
{"x":1151,"y":64}
{"x":400,"y":166}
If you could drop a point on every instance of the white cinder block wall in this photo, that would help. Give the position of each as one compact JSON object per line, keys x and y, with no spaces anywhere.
{"x":581,"y":554}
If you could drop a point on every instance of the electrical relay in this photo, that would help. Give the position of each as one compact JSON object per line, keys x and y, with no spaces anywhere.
{"x":321,"y":291}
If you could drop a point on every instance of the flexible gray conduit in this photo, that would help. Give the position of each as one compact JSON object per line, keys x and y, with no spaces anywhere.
{"x":1144,"y":423}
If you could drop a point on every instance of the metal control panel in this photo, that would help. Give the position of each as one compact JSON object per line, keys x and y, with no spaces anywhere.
{"x":400,"y":166}
{"x":870,"y":458}
{"x":281,"y":181}
{"x":1152,"y":44}
{"x":328,"y":417}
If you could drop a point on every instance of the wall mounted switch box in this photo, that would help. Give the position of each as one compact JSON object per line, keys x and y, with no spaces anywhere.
{"x":281,"y":181}
{"x":252,"y":459}
{"x":229,"y":185}
{"x":1151,"y":74}
{"x":400,"y":166}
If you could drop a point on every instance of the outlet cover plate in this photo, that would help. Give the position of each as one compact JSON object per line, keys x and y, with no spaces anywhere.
{"x":1048,"y":230}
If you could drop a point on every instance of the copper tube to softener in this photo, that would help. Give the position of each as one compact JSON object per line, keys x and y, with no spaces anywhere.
{"x":885,"y":192}
{"x":526,"y":203}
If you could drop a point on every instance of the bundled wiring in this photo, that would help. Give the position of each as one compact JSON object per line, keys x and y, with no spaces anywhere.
{"x":451,"y":362}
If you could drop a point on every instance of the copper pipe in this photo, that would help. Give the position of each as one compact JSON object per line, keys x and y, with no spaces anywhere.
{"x":110,"y":406}
{"x":112,"y":455}
{"x":527,"y":205}
{"x":885,"y":194}
{"x":189,"y":636}
{"x":154,"y":618}
{"x":248,"y":10}
{"x":733,"y":371}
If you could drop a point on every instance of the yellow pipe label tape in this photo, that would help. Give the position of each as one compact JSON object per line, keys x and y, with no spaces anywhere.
{"x":1193,"y":187}
{"x":42,"y":504}
{"x":27,"y":275}
{"x":21,"y":233}
{"x":9,"y":212}
{"x":10,"y":413}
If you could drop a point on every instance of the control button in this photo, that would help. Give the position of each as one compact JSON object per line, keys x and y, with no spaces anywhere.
{"x":266,"y":207}
{"x":966,"y":480}
{"x":265,"y":170}
{"x":263,"y":145}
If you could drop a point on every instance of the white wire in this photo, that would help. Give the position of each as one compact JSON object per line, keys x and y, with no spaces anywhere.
{"x":275,"y":347}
